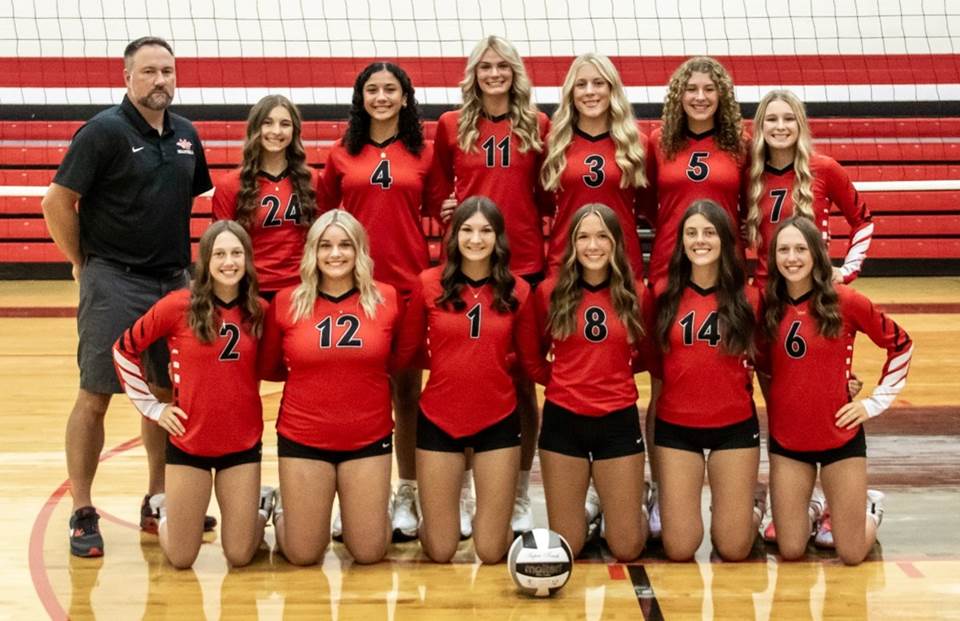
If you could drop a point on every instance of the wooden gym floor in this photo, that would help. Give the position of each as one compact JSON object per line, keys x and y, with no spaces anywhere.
{"x":913,"y":573}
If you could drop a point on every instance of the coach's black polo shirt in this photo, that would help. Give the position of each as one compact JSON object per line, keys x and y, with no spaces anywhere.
{"x":136,"y":187}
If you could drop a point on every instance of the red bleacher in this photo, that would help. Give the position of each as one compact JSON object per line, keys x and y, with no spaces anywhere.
{"x":910,"y":223}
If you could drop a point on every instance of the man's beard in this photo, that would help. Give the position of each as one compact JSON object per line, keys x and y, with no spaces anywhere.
{"x":158,"y":100}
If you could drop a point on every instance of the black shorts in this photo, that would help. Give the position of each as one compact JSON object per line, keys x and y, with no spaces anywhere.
{"x":856,"y":447}
{"x":179,"y":457}
{"x":290,"y":448}
{"x":616,"y":434}
{"x":534,"y":279}
{"x":502,"y":434}
{"x":745,"y":434}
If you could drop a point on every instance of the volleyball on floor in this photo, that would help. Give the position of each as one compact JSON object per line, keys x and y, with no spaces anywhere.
{"x":540,"y":562}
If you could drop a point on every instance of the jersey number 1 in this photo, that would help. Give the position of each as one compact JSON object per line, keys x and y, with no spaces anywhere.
{"x":474,"y":315}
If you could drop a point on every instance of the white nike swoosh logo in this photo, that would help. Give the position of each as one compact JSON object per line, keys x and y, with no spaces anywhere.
{"x":136,"y":149}
{"x":756,"y":435}
{"x":385,"y":445}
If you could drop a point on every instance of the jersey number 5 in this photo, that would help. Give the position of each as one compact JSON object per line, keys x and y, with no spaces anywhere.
{"x":697,"y":169}
{"x":349,"y":336}
{"x":596,"y":176}
{"x":232,"y":332}
{"x":381,"y":175}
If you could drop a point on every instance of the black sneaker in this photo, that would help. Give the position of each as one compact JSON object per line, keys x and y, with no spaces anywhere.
{"x":150,"y":519}
{"x":85,"y":539}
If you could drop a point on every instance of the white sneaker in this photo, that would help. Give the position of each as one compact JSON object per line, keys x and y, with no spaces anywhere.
{"x":336,"y":529}
{"x":875,"y":505}
{"x":824,"y":536}
{"x":653,"y":502}
{"x":158,"y":505}
{"x":591,"y":506}
{"x":522,"y":519}
{"x":267,"y":495}
{"x":817,"y":509}
{"x":760,"y":500}
{"x":467,"y":506}
{"x":406,"y":516}
{"x":277,"y":507}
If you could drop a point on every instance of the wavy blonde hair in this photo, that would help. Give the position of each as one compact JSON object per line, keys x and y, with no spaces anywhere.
{"x":305,"y":295}
{"x":623,"y":128}
{"x":802,"y":194}
{"x":568,"y":292}
{"x":727,"y":119}
{"x":522,"y":113}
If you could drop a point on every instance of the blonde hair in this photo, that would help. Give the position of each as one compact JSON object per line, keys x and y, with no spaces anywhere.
{"x":568,"y":291}
{"x":802,"y":194}
{"x":522,"y":112}
{"x":623,"y":129}
{"x":727,"y":119}
{"x":305,"y":295}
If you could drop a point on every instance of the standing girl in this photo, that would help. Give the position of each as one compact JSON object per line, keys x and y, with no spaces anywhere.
{"x":213,"y":331}
{"x":591,"y":314}
{"x":493,"y":146}
{"x":788,"y":177}
{"x":704,"y":324}
{"x":378,"y":172}
{"x":810,"y":324}
{"x":271,"y":195}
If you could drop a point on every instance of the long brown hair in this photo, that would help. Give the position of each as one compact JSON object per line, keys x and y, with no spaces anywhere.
{"x":736,"y":316}
{"x":502,"y":279}
{"x":568,"y":292}
{"x":202,"y":315}
{"x":247,"y":198}
{"x":727,"y":120}
{"x":824,"y":301}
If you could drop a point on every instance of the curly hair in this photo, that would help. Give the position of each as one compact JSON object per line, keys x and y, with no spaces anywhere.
{"x":568,"y":292}
{"x":202,"y":314}
{"x":736,"y":316}
{"x":409,"y":130}
{"x":623,"y":128}
{"x":522,"y":113}
{"x":824,"y":301}
{"x":728,"y":122}
{"x":802,"y":194}
{"x":503,"y":280}
{"x":249,"y":195}
{"x":305,"y":295}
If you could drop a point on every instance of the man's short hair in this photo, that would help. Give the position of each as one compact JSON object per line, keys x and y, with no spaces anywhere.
{"x":136,"y":44}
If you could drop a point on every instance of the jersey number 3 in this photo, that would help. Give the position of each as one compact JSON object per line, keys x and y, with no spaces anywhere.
{"x":595,"y":165}
{"x":381,"y":175}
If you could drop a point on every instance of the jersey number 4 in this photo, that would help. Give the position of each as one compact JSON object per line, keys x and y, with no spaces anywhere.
{"x":381,"y":175}
{"x":232,"y":332}
{"x":273,"y":218}
{"x":596,"y":176}
{"x":348,"y":338}
{"x":709,"y":330}
{"x":697,"y":169}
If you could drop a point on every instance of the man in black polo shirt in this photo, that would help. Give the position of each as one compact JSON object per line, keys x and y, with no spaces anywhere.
{"x":135,"y":169}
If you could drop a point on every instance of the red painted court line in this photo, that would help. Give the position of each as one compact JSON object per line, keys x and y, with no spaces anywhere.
{"x":38,"y":568}
{"x":616,"y":572}
{"x":910,"y":569}
{"x":109,"y":517}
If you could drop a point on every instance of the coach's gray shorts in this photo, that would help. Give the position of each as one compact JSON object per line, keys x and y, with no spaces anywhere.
{"x":111,"y":300}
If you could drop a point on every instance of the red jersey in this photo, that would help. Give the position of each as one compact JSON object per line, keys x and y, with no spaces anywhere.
{"x":276,"y":234}
{"x":809,"y":372}
{"x":703,"y":386}
{"x":470,"y":386}
{"x":220,"y":421}
{"x":385,"y":187}
{"x":831,"y":185}
{"x":701,"y":170}
{"x":593,"y":176}
{"x":498,"y":170}
{"x":592,"y":369}
{"x":337,"y":361}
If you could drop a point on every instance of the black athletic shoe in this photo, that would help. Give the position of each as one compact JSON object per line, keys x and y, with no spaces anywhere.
{"x":150,"y":519}
{"x":85,"y":538}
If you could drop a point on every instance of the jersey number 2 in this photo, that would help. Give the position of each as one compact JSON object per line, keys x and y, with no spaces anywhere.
{"x":232,"y":332}
{"x":381,"y":175}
